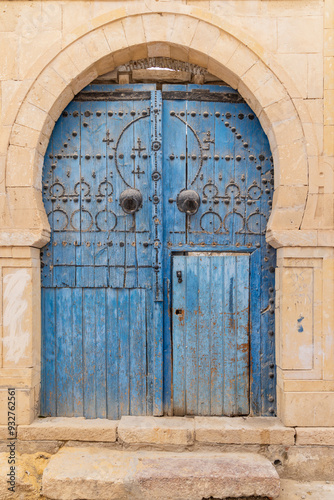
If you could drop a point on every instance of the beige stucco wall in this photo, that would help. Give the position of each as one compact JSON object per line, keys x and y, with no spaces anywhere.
{"x":279,"y":54}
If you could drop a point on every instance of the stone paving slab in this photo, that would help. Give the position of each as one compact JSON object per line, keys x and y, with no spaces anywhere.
{"x":66,"y":429}
{"x":156,"y":430}
{"x":243,"y":430}
{"x":91,"y":473}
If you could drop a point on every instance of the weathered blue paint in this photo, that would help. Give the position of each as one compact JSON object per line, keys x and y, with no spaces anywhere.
{"x":211,"y":334}
{"x":107,"y":277}
{"x":220,"y":150}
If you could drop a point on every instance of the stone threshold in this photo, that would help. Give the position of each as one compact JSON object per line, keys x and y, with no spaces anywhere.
{"x":89,"y":473}
{"x":177,"y":431}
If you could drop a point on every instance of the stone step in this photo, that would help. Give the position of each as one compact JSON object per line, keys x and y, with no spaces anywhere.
{"x":95,"y":473}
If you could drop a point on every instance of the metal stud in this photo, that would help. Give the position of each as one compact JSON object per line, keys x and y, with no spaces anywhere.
{"x":228,"y":115}
{"x":87,"y":113}
{"x":261,"y":157}
{"x":238,"y":158}
{"x":193,"y":113}
{"x":216,"y":157}
{"x":240,"y":116}
{"x":98,"y":113}
{"x":205,"y":114}
{"x":226,"y":124}
{"x":217,"y":115}
{"x":251,"y":157}
{"x":110,"y":113}
{"x":172,"y":113}
{"x":251,"y":117}
{"x":245,"y":144}
{"x":238,"y":136}
{"x":227,"y":158}
{"x":182,"y":157}
{"x":233,"y":129}
{"x":75,"y":113}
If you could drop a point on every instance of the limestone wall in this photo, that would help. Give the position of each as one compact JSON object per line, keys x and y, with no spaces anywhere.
{"x":279,"y":54}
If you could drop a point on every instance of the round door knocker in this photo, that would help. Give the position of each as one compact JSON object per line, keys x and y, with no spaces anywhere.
{"x":188,"y":201}
{"x":131,"y":200}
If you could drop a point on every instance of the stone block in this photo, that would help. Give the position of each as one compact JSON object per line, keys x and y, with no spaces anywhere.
{"x":92,"y":473}
{"x":309,"y":463}
{"x":329,"y":140}
{"x":205,"y":37}
{"x":315,"y":76}
{"x":156,"y":430}
{"x":239,"y":430}
{"x":329,"y":72}
{"x":288,"y":131}
{"x":36,"y":52}
{"x":31,"y":116}
{"x":319,"y":212}
{"x":134,"y":30}
{"x":312,"y":490}
{"x":96,"y":44}
{"x":291,"y":168}
{"x":184,"y":30}
{"x":65,"y":429}
{"x":8,"y":56}
{"x":315,"y":436}
{"x":159,"y":27}
{"x":295,"y":66}
{"x":83,"y":79}
{"x":329,"y":107}
{"x":306,"y":409}
{"x":329,"y":42}
{"x":300,"y":34}
{"x":115,"y":36}
{"x":158,"y":49}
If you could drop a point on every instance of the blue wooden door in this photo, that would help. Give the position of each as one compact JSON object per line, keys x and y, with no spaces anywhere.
{"x":211,"y":334}
{"x":213,"y":145}
{"x":101,"y":292}
{"x":109,"y":337}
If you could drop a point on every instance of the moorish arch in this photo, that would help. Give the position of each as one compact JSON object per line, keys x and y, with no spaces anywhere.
{"x":183,"y":34}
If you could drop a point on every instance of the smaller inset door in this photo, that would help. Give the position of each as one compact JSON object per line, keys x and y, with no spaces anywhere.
{"x":211,"y":334}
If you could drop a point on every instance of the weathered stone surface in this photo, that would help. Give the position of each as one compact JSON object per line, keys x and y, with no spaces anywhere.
{"x":309,"y":463}
{"x":65,"y":429}
{"x":28,"y":475}
{"x":90,"y":473}
{"x":263,"y":430}
{"x":315,"y":436}
{"x":156,"y":430}
{"x":317,"y":490}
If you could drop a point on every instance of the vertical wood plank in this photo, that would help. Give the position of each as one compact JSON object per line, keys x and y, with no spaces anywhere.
{"x":64,"y":325}
{"x":217,"y":334}
{"x":89,"y":351}
{"x":77,"y":364}
{"x":137,"y":349}
{"x":113,"y":354}
{"x":179,"y":336}
{"x":204,"y":334}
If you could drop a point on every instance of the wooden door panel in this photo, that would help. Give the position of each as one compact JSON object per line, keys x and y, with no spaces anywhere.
{"x":211,"y":335}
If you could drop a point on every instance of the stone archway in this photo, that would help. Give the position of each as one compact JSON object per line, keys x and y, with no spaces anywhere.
{"x":183,"y":36}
